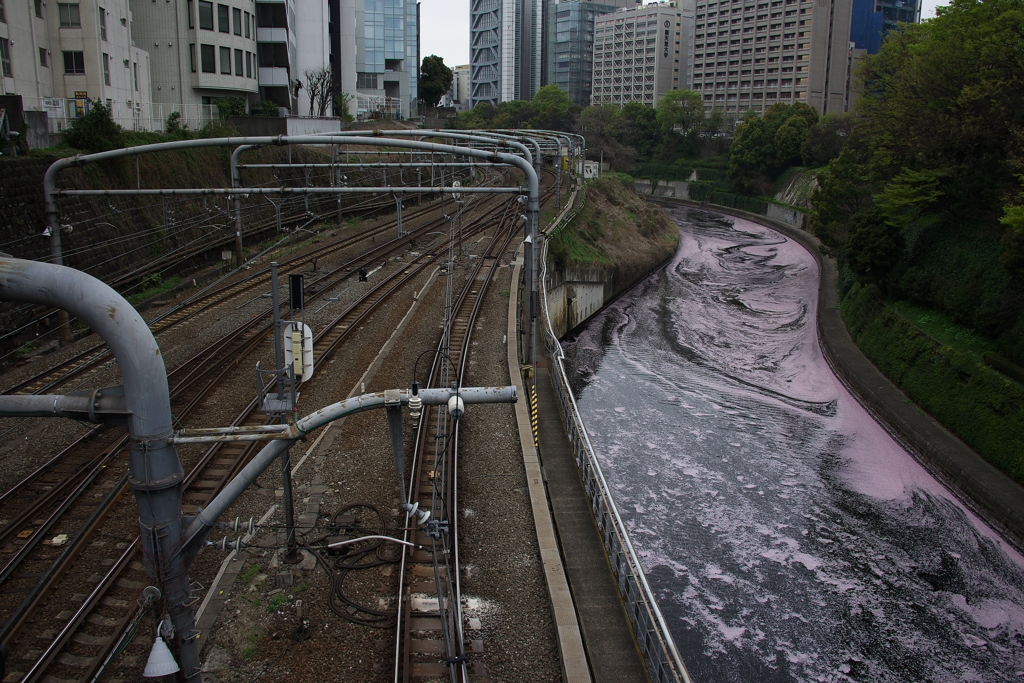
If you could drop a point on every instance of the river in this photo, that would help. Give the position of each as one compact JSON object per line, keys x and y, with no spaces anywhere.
{"x":787,"y":536}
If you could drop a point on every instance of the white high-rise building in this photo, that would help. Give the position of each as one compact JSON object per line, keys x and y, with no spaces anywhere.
{"x":60,"y":55}
{"x":640,"y":53}
{"x":202,"y":50}
{"x":751,"y":54}
{"x":505,"y":50}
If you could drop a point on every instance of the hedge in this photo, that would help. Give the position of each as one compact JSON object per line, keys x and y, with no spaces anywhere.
{"x":981,"y":406}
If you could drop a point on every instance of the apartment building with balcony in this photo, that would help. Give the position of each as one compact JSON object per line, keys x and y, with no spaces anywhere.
{"x":60,"y":55}
{"x":640,"y":53}
{"x":751,"y":54}
{"x":569,"y":44}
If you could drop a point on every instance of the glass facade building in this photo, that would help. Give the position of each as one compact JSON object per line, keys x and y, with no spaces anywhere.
{"x":569,"y":46}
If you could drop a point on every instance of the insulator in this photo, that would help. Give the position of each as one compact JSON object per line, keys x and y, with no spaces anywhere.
{"x":415,"y":410}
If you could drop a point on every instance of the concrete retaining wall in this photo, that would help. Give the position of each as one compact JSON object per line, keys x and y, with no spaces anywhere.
{"x":678,"y":189}
{"x":575,"y":294}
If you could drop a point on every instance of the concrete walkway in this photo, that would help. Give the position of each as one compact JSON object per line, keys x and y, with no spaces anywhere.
{"x":607,"y":636}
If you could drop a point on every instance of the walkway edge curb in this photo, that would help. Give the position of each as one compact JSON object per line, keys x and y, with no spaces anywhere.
{"x":575,"y":668}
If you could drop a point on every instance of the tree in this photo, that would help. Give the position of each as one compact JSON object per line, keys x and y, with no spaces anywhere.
{"x":342,"y":101}
{"x":232,"y":105}
{"x":764,"y":147}
{"x":479,"y":116}
{"x":265,"y":108}
{"x":682,"y":110}
{"x":319,"y":83}
{"x":435,"y":80}
{"x":826,"y":139}
{"x":597,"y":125}
{"x":553,"y":110}
{"x":637,"y":125}
{"x":513,"y":114}
{"x":96,"y":131}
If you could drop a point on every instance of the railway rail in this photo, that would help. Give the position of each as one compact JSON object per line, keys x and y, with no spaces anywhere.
{"x":429,"y":643}
{"x":107,"y":609}
{"x":96,"y":354}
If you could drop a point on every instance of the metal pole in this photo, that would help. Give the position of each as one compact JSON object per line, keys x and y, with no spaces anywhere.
{"x":155,"y":474}
{"x":53,"y":222}
{"x":291,"y":554}
{"x":236,"y":181}
{"x":398,"y":204}
{"x":278,"y":351}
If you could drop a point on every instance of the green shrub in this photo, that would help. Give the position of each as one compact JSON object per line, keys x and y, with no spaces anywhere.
{"x":230,"y":106}
{"x":265,"y":108}
{"x":96,"y":131}
{"x":981,"y":406}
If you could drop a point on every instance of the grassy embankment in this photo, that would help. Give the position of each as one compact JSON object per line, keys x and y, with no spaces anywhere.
{"x":942,"y":368}
{"x":615,"y":228}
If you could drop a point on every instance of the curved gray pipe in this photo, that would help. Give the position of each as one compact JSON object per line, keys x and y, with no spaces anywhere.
{"x":155,"y":474}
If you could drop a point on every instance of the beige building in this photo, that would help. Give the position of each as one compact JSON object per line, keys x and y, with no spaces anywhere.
{"x":750,"y":54}
{"x":59,"y":55}
{"x":640,"y":53}
{"x":201,"y":50}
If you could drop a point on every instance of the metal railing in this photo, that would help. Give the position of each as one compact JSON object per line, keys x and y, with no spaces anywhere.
{"x":659,"y":649}
{"x":142,"y":116}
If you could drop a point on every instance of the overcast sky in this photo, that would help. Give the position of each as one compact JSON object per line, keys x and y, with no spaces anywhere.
{"x":445,"y":28}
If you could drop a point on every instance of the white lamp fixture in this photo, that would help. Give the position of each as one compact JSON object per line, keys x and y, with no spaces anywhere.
{"x":161,"y":662}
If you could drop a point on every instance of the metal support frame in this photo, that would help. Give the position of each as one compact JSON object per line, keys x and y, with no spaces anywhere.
{"x":155,"y":473}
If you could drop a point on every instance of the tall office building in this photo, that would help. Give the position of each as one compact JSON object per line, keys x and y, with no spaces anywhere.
{"x":60,"y":55}
{"x":375,"y":55}
{"x":569,"y":44}
{"x":872,"y":19}
{"x":505,"y":50}
{"x":641,"y":53}
{"x":750,"y":54}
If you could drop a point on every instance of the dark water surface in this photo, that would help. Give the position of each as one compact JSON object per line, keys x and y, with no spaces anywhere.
{"x":788,"y":537}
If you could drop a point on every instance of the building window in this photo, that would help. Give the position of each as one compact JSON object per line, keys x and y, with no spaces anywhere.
{"x":207,"y":54}
{"x":5,"y":58}
{"x":106,"y":69}
{"x":135,"y":74}
{"x":39,"y":8}
{"x":248,"y":66}
{"x":69,"y":15}
{"x":206,"y":15}
{"x":246,"y":24}
{"x":225,"y":60}
{"x":236,"y":20}
{"x":74,"y":62}
{"x":238,"y":62}
{"x":103,"y":23}
{"x":42,"y":57}
{"x":368,"y":81}
{"x":189,"y":9}
{"x":222,"y":19}
{"x":192,"y":57}
{"x":3,"y":17}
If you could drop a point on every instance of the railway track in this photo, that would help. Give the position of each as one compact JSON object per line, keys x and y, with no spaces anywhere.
{"x":108,"y":608}
{"x":96,"y":354}
{"x":429,"y":641}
